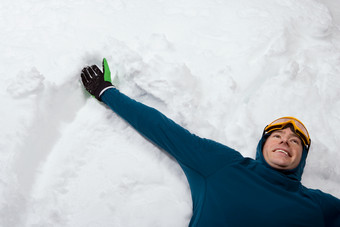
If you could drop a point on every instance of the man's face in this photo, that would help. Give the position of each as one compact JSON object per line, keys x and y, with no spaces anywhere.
{"x":283,"y":149}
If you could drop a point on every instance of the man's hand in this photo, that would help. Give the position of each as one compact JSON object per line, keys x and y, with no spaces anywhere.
{"x":95,"y":81}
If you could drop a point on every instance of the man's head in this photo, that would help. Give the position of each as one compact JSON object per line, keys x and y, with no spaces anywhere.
{"x":286,"y":139}
{"x":283,"y":149}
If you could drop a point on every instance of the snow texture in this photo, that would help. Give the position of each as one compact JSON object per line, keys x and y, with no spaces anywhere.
{"x":222,"y":69}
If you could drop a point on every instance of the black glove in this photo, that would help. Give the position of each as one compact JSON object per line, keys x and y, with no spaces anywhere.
{"x":95,"y":81}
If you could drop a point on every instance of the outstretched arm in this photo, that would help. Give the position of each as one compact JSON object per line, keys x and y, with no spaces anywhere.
{"x":330,"y":207}
{"x":202,"y":155}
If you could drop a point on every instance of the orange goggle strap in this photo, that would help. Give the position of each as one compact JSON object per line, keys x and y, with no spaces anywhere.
{"x":299,"y":128}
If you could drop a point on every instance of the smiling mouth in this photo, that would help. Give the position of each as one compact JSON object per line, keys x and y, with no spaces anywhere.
{"x":283,"y":152}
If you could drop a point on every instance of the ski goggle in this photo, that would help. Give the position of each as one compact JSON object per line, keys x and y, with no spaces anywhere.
{"x":299,"y":128}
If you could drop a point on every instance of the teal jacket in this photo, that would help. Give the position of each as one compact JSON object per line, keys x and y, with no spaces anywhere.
{"x":228,"y":189}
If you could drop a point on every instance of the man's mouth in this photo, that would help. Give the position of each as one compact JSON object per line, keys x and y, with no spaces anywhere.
{"x":283,"y":152}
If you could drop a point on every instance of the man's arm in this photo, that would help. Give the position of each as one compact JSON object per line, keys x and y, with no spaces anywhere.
{"x":329,"y":205}
{"x":202,"y":155}
{"x":331,"y":208}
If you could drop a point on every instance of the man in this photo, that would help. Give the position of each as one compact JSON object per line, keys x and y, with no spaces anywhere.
{"x":228,"y":189}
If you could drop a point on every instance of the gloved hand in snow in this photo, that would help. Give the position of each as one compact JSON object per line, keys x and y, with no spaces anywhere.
{"x":95,"y":81}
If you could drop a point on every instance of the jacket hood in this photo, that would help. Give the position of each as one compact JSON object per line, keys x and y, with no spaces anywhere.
{"x":295,"y":173}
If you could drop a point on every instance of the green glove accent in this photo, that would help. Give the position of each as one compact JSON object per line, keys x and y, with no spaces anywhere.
{"x":107,"y":72}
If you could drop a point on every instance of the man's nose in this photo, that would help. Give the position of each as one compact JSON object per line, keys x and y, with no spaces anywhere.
{"x":284,"y":140}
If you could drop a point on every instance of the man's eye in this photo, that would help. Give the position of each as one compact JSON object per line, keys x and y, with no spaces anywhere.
{"x":276,"y":136}
{"x":295,"y":141}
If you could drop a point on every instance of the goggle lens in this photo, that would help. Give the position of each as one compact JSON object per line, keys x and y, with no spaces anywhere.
{"x":299,"y":128}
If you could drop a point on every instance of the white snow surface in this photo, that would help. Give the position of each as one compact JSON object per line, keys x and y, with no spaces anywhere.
{"x":222,"y":69}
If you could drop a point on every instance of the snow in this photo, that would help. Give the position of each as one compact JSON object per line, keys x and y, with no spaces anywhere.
{"x":222,"y":69}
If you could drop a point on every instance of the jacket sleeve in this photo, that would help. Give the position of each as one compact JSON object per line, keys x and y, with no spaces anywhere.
{"x":330,"y":207}
{"x":202,"y":155}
